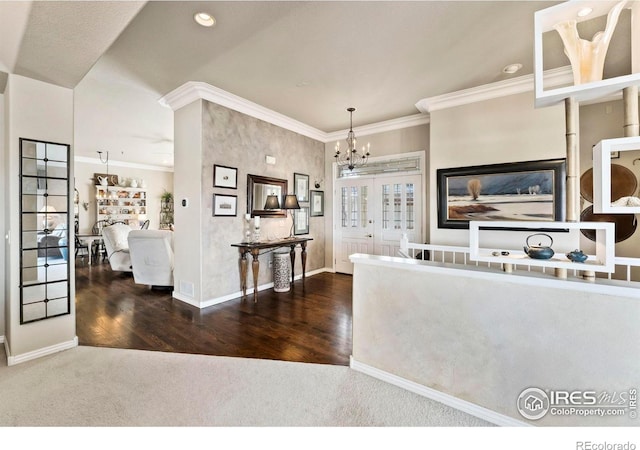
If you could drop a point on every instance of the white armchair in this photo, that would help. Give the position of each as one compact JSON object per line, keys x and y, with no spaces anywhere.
{"x":117,"y":246}
{"x":152,"y":256}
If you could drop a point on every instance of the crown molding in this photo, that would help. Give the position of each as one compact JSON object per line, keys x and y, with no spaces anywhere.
{"x":519,"y":85}
{"x":195,"y":90}
{"x":192,"y":91}
{"x":381,"y":127}
{"x":88,"y":160}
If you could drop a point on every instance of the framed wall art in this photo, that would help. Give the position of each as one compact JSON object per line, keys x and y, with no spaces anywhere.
{"x":225,"y":205}
{"x":301,"y":221}
{"x":521,"y":191}
{"x":316,"y":203}
{"x":225,"y":177}
{"x":301,"y":186}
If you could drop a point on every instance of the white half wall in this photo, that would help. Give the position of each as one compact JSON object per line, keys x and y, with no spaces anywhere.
{"x":484,"y":336}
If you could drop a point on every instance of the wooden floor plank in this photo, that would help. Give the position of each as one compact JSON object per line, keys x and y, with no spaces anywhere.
{"x":310,"y":323}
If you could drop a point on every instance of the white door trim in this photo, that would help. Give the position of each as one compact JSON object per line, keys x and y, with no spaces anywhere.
{"x":422,"y":154}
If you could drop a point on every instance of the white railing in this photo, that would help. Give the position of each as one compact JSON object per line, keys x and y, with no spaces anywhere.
{"x":460,"y":255}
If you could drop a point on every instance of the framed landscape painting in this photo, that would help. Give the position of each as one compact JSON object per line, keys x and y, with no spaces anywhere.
{"x":522,"y":191}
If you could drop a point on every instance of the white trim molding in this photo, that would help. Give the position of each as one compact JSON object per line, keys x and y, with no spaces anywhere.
{"x":13,"y":360}
{"x":446,"y":399}
{"x":196,"y":90}
{"x":381,"y":127}
{"x":238,"y":294}
{"x":89,"y":160}
{"x":490,"y":91}
{"x":561,"y":76}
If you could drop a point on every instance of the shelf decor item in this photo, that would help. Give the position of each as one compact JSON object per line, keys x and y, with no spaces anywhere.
{"x":539,"y":251}
{"x":577,"y":256}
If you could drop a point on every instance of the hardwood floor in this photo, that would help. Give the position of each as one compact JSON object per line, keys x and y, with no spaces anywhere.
{"x":310,"y":323}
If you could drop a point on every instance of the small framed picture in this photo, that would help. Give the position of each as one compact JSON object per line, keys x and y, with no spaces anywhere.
{"x":225,"y":205}
{"x":317,"y":203}
{"x":301,"y":186}
{"x":301,"y":220}
{"x":225,"y":177}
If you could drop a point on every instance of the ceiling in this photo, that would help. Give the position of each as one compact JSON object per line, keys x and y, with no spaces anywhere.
{"x":307,"y":60}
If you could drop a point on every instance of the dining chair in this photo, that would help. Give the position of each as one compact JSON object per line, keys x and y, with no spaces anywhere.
{"x":145,"y":225}
{"x":97,"y":247}
{"x":82,"y":248}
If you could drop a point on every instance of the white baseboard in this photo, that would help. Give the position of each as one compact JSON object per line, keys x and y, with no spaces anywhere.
{"x":1,"y":339}
{"x":449,"y":400}
{"x":13,"y":360}
{"x":237,"y":294}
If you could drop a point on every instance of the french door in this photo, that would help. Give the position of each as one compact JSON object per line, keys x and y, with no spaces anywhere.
{"x":373,"y":213}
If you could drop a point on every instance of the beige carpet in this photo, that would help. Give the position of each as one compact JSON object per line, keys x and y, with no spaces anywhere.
{"x":89,"y":386}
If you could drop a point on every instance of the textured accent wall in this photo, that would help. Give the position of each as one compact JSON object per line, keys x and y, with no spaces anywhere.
{"x":233,"y":139}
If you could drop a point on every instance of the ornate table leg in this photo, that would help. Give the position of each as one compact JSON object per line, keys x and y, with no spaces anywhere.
{"x":255,"y":265}
{"x":243,"y":272}
{"x":292,"y":255}
{"x":303,"y":254}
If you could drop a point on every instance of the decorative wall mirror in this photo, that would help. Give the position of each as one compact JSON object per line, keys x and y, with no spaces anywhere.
{"x":44,"y":230}
{"x":258,"y":188}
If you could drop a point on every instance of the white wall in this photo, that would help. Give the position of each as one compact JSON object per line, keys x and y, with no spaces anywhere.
{"x":394,"y":142}
{"x":41,"y":111}
{"x":506,"y":129}
{"x":2,"y":218}
{"x":188,"y":237}
{"x":157,"y":181}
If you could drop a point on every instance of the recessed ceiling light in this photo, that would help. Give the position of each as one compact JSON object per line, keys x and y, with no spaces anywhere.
{"x":204,"y":19}
{"x":585,"y":12}
{"x":512,"y":68}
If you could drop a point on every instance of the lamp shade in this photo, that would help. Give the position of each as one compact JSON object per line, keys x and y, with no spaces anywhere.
{"x":291,"y":202}
{"x":272,"y":202}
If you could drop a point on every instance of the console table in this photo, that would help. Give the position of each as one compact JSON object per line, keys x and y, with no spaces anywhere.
{"x":255,"y":247}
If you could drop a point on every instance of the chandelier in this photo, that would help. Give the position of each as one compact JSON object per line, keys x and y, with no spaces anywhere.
{"x":351,"y":158}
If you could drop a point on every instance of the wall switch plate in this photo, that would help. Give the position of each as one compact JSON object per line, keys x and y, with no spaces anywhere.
{"x":270,"y":159}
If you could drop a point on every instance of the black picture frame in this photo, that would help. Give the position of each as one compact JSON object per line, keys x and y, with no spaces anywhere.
{"x":540,"y":184}
{"x":301,"y":186}
{"x":316,"y":203}
{"x":301,"y":221}
{"x":225,"y":177}
{"x":225,"y":205}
